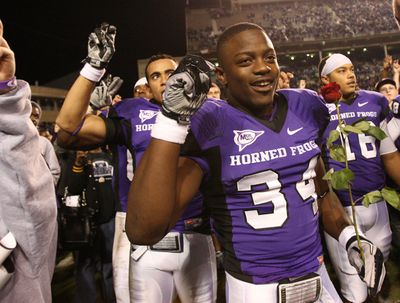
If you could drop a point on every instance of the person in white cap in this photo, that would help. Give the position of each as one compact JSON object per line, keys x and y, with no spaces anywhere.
{"x":142,"y":89}
{"x":368,"y":158}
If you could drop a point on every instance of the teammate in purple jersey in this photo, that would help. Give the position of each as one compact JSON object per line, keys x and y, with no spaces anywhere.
{"x":256,"y":161}
{"x":367,"y":159}
{"x":183,"y":261}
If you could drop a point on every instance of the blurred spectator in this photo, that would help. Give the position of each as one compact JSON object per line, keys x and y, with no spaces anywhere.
{"x":44,"y":132}
{"x":286,"y":75}
{"x":302,"y":83}
{"x":214,"y":92}
{"x":299,"y":21}
{"x":91,"y":175}
{"x":388,"y":88}
{"x":46,"y":147}
{"x":142,"y":89}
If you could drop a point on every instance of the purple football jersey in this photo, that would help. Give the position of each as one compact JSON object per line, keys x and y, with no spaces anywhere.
{"x":132,"y":121}
{"x":362,"y":150}
{"x":259,"y":185}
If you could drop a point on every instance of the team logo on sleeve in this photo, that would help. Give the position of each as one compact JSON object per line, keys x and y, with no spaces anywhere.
{"x":145,"y":115}
{"x":244,"y":138}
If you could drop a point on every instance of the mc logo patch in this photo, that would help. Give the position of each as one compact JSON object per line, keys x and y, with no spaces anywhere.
{"x":244,"y":138}
{"x":145,"y":115}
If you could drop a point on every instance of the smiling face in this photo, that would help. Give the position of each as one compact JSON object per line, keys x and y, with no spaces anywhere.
{"x":249,"y":69}
{"x":345,"y":77}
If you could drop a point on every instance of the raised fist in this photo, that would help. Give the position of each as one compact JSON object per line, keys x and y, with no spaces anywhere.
{"x":187,"y":88}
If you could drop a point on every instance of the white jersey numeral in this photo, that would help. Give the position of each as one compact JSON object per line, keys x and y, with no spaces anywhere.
{"x":367,"y":146}
{"x":273,"y":194}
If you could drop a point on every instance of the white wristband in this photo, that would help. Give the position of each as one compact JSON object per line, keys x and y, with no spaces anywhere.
{"x":347,"y":233}
{"x":168,"y":129}
{"x":91,"y":73}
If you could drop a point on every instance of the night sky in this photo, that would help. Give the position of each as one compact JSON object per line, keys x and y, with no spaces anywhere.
{"x":50,"y":38}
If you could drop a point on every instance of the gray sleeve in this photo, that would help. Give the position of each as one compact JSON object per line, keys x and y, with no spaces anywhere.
{"x":27,"y":203}
{"x":50,"y":157}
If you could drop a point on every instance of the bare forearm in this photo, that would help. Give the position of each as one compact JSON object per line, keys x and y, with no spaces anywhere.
{"x":334,"y":218}
{"x":152,"y":196}
{"x":75,"y":105}
{"x":391,"y":163}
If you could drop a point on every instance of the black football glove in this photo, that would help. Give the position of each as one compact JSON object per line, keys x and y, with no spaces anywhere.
{"x":373,"y":271}
{"x":187,"y":88}
{"x":103,"y":94}
{"x":101,"y":46}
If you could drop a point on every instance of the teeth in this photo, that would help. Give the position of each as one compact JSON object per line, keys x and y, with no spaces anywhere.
{"x":263,"y":83}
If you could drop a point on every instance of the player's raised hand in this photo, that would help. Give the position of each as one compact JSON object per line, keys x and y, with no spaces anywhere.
{"x":7,"y":59}
{"x":101,"y":46}
{"x":186,"y":89}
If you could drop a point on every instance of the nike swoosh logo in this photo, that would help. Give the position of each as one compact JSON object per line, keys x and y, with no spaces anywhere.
{"x":292,"y":132}
{"x":362,"y":104}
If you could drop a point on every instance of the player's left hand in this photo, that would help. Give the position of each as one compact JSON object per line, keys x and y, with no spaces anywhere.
{"x":187,"y":88}
{"x":101,"y":46}
{"x":372,"y":272}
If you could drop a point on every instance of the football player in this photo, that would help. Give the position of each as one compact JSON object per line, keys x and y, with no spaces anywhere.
{"x":368,"y":158}
{"x":183,"y":261}
{"x":255,"y":158}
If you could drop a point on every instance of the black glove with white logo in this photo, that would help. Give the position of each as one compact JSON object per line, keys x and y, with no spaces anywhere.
{"x":101,"y":46}
{"x":372,"y":272}
{"x":187,"y":88}
{"x":103,"y":94}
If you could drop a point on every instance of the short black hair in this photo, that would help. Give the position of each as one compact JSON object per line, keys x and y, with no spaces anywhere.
{"x":156,"y":58}
{"x":232,"y":31}
{"x":322,"y":64}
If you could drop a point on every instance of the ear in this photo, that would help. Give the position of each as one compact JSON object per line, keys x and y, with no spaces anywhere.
{"x":324,"y":80}
{"x":219,"y":71}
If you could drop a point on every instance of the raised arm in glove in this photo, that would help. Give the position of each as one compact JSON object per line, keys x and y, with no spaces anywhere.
{"x":78,"y":130}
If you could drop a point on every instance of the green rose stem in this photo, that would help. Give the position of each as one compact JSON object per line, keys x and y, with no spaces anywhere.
{"x":341,"y":124}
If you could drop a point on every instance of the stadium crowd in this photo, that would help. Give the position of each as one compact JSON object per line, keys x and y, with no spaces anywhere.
{"x":298,"y":21}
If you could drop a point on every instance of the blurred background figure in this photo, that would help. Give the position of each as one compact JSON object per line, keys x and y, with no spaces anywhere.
{"x":286,"y":75}
{"x":142,"y":89}
{"x":46,"y":147}
{"x":388,"y":88}
{"x":214,"y":92}
{"x":89,"y":176}
{"x":302,"y":83}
